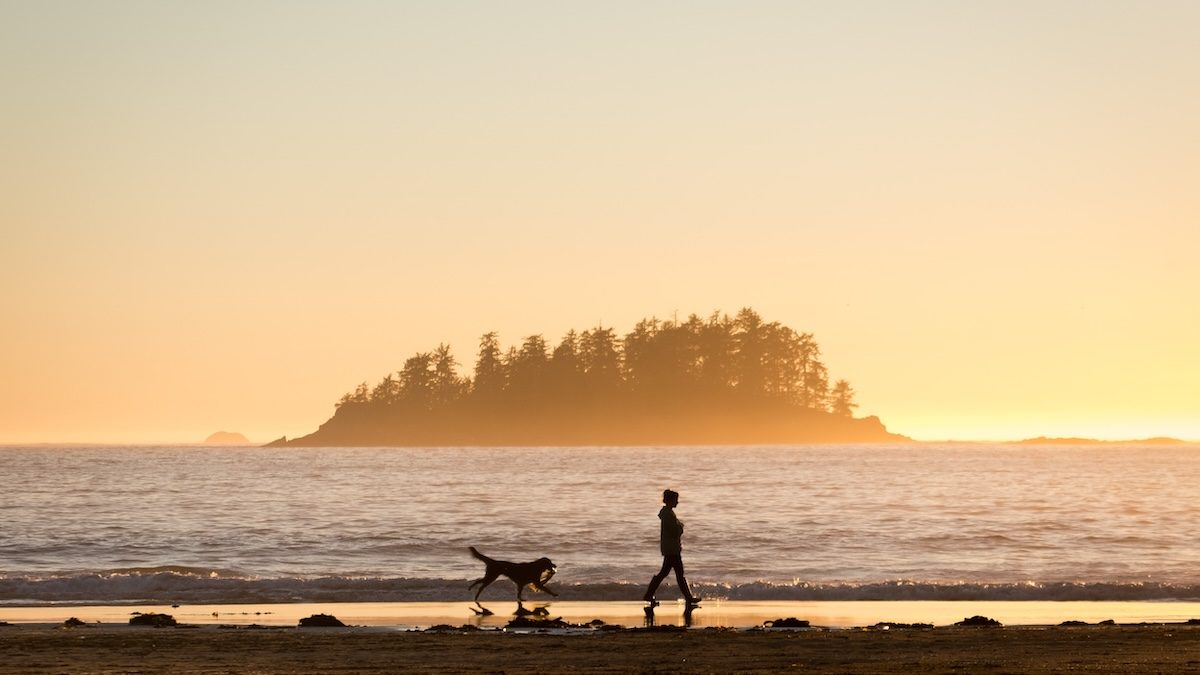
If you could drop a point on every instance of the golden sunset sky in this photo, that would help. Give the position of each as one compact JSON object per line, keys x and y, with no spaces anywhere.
{"x":223,"y":215}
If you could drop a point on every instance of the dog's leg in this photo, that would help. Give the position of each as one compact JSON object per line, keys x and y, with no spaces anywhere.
{"x":483,"y":583}
{"x":540,"y":587}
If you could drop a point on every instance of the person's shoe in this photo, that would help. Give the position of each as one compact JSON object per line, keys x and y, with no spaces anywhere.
{"x":693,"y":600}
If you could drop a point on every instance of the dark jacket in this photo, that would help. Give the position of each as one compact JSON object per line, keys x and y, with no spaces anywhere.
{"x":672,"y":532}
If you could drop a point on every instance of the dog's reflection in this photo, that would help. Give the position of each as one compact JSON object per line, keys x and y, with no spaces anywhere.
{"x":538,"y":611}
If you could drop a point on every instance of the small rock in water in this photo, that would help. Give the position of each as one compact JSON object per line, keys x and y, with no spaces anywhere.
{"x":152,"y":619}
{"x":73,"y":623}
{"x":321,"y":621}
{"x":1073,"y":623}
{"x":978,"y":621}
{"x":1192,"y":622}
{"x":1107,"y":622}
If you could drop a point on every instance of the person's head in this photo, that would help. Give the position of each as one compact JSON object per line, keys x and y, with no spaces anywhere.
{"x":670,"y":498}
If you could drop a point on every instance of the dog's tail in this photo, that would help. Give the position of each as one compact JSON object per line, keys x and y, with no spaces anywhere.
{"x":479,"y":555}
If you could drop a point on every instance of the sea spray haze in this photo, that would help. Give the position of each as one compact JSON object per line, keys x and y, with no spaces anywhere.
{"x":840,"y":522}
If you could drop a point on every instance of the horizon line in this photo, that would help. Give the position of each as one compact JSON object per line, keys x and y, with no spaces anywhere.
{"x":1050,"y":440}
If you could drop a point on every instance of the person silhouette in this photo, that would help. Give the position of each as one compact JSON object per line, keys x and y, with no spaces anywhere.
{"x":670,"y":543}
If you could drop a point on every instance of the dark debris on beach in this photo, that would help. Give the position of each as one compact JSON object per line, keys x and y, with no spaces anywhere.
{"x":893,"y":625}
{"x":152,"y":619}
{"x":321,"y":621}
{"x":790,"y":622}
{"x":979,"y":621}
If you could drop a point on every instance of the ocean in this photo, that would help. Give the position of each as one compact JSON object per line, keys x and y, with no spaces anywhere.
{"x":873,"y":522}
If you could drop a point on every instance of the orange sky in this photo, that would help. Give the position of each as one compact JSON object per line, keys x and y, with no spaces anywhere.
{"x":224,"y":215}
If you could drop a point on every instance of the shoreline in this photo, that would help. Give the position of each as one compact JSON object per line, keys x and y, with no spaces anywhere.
{"x":713,"y":613}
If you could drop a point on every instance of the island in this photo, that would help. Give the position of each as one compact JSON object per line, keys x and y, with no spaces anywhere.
{"x":718,"y":380}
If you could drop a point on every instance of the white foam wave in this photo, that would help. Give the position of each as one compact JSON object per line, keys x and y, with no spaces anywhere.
{"x":173,"y":584}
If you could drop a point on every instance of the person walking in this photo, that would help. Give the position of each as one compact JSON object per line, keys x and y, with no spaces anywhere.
{"x":671,"y":545}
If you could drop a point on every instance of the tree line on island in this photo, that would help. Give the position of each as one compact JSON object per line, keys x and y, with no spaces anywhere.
{"x":719,"y":379}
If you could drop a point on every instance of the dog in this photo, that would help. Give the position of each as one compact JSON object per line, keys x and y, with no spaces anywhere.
{"x":535,"y":574}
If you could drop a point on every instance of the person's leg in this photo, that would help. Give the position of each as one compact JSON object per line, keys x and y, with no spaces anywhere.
{"x":658,"y":579}
{"x":677,"y":564}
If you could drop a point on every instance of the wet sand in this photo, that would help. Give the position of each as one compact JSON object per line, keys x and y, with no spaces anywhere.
{"x":1162,"y":648}
{"x":715,"y":612}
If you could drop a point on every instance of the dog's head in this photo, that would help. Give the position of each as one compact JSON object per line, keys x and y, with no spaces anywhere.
{"x":547,"y":567}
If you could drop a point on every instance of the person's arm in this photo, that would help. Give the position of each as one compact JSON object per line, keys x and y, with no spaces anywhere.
{"x":673,"y":525}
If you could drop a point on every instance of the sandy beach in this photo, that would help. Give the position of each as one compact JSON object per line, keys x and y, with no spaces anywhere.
{"x":209,"y":649}
{"x":723,"y":637}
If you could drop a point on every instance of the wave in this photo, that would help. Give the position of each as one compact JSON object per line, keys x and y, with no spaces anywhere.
{"x":177,"y":584}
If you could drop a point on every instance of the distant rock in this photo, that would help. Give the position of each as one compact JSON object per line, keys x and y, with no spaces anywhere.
{"x":1043,"y":440}
{"x":226,"y":438}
